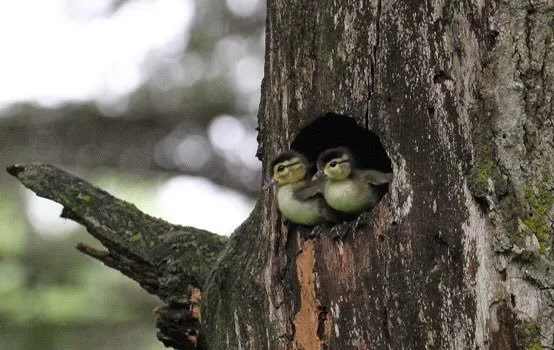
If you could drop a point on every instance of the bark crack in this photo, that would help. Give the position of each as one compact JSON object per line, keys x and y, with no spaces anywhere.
{"x":373,"y":62}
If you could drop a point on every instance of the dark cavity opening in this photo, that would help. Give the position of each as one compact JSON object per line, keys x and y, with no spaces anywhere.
{"x":334,"y":130}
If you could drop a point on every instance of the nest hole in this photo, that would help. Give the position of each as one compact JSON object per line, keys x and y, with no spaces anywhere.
{"x":334,"y":130}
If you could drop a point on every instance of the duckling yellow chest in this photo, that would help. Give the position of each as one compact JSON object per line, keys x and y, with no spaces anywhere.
{"x":306,"y":212}
{"x":349,"y":197}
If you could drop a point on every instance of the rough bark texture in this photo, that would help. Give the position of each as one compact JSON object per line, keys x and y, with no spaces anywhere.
{"x":169,"y":261}
{"x":458,"y":254}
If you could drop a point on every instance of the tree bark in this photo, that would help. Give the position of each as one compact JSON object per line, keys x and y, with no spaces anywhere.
{"x":458,"y":253}
{"x":169,"y":261}
{"x":461,"y":95}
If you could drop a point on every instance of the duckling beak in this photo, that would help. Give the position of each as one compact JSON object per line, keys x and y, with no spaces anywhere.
{"x":318,"y":175}
{"x":268,"y":184}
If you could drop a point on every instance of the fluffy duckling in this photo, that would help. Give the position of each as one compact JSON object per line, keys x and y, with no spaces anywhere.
{"x":289,"y":173}
{"x":345,"y":188}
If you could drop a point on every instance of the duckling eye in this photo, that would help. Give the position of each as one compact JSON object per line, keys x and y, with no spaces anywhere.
{"x":280,"y":168}
{"x":333,"y":164}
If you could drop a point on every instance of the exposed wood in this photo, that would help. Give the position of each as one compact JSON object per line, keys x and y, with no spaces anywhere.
{"x":306,"y":319}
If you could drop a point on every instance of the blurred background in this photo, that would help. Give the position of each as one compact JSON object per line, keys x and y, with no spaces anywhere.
{"x":154,"y":101}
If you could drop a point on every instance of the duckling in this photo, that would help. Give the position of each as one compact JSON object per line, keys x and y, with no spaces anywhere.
{"x":345,"y":188}
{"x":289,"y":173}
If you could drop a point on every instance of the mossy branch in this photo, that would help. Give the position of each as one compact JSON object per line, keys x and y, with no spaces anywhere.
{"x":167,"y":260}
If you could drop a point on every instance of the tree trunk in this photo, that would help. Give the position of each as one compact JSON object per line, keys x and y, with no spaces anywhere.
{"x":457,"y":255}
{"x":460,"y":94}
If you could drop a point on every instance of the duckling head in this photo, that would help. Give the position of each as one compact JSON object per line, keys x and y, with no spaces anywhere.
{"x":288,"y":167}
{"x":335,"y":163}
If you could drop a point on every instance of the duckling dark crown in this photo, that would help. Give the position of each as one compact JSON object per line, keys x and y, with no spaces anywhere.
{"x":334,"y":153}
{"x":286,"y":156}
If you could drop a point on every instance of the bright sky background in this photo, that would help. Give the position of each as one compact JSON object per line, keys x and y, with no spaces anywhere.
{"x":54,"y":51}
{"x":59,"y":50}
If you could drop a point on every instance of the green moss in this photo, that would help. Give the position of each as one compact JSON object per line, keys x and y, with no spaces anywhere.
{"x":529,"y":336}
{"x":534,"y":346}
{"x":135,"y":238}
{"x":84,"y":197}
{"x":480,"y":175}
{"x":540,"y":203}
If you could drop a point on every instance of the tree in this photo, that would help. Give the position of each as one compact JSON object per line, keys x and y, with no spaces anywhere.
{"x":456,"y":255}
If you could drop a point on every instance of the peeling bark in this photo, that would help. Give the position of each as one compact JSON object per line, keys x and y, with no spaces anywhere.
{"x":306,"y":321}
